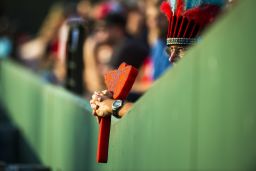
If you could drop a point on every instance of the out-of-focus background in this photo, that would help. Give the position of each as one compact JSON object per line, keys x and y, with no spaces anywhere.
{"x":198,"y":114}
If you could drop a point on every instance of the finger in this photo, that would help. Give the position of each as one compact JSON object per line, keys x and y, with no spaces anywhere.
{"x":97,"y":103}
{"x":99,"y":113}
{"x":104,"y":92}
{"x":96,"y":92}
{"x":98,"y":119}
{"x":97,"y":97}
{"x":93,"y":106}
{"x":94,"y":97}
{"x":94,"y":112}
{"x":92,"y":101}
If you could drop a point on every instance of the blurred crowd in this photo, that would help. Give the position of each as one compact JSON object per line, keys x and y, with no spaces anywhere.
{"x":78,"y":43}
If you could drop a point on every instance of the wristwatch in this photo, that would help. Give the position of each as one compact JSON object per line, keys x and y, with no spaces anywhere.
{"x":116,"y":106}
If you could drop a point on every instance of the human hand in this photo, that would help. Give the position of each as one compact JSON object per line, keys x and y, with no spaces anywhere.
{"x":104,"y":108}
{"x":101,"y":103}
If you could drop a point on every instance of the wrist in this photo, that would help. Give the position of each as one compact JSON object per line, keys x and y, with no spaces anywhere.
{"x":116,"y":106}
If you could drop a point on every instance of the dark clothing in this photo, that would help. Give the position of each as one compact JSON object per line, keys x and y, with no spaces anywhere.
{"x":130,"y":51}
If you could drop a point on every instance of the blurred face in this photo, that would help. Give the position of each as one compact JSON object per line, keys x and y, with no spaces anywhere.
{"x":134,"y":22}
{"x":151,"y":17}
{"x":175,"y":52}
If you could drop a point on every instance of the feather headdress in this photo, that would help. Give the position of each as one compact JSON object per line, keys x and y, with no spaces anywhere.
{"x":186,"y":25}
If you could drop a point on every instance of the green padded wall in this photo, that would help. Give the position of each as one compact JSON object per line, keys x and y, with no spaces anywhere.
{"x":57,"y":125}
{"x":199,"y":116}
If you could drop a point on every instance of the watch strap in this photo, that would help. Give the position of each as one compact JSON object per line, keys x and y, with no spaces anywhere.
{"x":115,"y":109}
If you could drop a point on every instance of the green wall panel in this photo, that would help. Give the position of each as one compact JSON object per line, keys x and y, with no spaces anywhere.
{"x":199,"y":116}
{"x":57,"y":125}
{"x":226,"y":106}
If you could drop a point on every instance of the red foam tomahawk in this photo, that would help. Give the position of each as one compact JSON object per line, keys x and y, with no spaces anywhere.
{"x":119,"y":82}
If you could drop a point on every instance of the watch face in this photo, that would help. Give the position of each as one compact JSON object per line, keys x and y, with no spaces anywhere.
{"x":117,"y":104}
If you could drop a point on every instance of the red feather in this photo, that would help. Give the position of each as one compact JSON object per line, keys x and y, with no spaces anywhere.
{"x":180,"y":7}
{"x":167,"y":10}
{"x":203,"y":14}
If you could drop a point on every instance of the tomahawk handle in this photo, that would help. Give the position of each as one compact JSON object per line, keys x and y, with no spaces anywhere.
{"x":103,"y":139}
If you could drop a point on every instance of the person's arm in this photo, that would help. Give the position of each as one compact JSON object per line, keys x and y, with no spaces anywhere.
{"x":124,"y":109}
